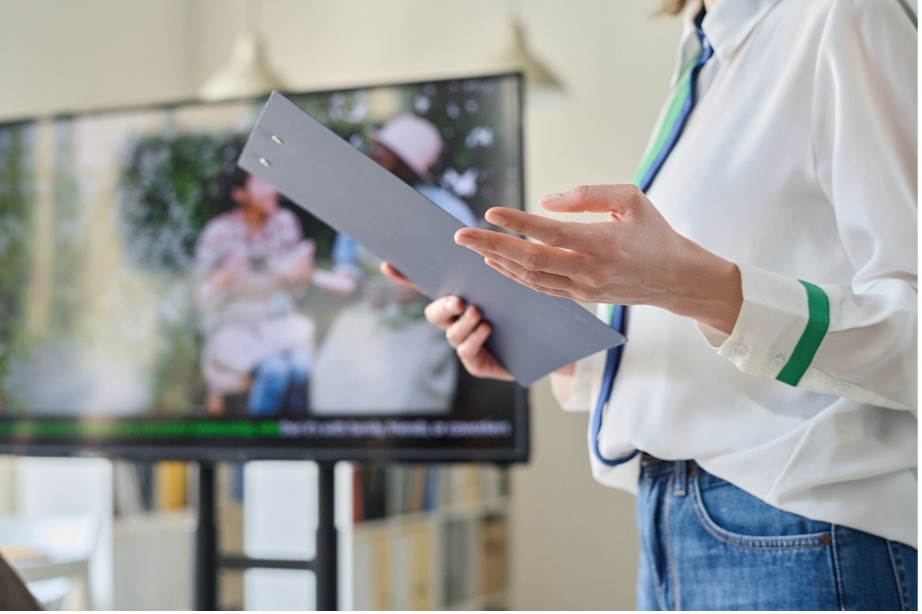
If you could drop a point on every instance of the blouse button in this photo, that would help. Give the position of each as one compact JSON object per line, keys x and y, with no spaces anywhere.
{"x":778,"y":361}
{"x":740,"y":350}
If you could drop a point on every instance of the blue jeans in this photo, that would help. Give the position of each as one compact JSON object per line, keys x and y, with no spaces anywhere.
{"x":707,"y":545}
{"x":280,"y":383}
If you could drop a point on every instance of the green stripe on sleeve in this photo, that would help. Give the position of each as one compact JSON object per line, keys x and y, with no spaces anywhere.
{"x":809,"y":343}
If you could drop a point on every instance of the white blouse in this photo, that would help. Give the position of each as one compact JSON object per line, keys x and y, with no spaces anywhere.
{"x":798,"y":163}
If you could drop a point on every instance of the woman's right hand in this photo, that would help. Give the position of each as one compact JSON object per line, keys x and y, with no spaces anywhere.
{"x":465,"y":329}
{"x":467,"y":332}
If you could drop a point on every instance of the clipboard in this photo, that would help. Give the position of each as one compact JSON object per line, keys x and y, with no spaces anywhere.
{"x":533,"y":333}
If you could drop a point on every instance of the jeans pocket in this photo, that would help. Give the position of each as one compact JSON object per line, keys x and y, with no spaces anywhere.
{"x":739,"y":519}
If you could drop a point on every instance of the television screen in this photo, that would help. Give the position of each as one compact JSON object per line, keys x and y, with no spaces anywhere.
{"x":160,"y":302}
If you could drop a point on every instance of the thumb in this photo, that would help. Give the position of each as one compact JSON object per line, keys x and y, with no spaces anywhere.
{"x":593,"y":198}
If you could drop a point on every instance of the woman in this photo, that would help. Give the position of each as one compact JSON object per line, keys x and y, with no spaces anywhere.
{"x":252,"y":263}
{"x":768,"y":391}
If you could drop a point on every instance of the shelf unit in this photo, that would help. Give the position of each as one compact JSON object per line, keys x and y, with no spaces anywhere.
{"x":429,"y":537}
{"x":411,"y":537}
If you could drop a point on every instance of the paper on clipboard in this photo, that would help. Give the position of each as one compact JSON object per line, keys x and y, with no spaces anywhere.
{"x":533,"y":333}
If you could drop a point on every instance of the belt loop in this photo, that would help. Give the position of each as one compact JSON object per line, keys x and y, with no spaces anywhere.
{"x":681,"y":478}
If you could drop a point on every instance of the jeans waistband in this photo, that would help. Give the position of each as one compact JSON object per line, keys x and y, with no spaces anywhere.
{"x":651,"y":466}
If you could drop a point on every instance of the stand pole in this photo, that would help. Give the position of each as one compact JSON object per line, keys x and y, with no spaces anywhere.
{"x":206,"y":542}
{"x":327,"y":562}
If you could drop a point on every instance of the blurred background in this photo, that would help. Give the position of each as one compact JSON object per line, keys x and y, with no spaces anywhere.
{"x":571,"y":542}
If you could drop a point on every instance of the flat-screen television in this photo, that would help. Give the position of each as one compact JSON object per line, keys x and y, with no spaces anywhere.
{"x":159,"y":302}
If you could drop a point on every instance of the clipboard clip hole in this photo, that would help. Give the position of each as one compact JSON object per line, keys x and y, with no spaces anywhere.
{"x":277,"y":139}
{"x":265,"y":162}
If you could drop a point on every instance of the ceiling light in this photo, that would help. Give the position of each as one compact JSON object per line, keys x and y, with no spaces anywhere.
{"x":246,"y":73}
{"x":516,"y":55}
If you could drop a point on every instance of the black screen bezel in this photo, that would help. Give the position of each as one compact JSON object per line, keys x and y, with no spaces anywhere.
{"x":240,"y":449}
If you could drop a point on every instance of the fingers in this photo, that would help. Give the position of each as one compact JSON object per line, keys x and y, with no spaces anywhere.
{"x":621,"y":202}
{"x":466,"y":331}
{"x":556,"y":285}
{"x":470,"y":348}
{"x":599,"y":198}
{"x":444,"y":311}
{"x":571,"y":259}
{"x":459,"y":321}
{"x":389,"y":271}
{"x":466,"y":326}
{"x":546,"y":230}
{"x":618,"y":200}
{"x":525,"y":258}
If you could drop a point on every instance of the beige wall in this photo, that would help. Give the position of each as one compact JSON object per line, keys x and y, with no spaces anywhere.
{"x":574,"y":543}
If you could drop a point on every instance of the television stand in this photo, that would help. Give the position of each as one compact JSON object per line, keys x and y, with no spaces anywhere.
{"x":209,"y":561}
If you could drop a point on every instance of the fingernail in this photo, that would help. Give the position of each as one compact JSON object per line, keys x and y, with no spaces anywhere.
{"x":495,"y":216}
{"x":461,"y":238}
{"x":550,"y":198}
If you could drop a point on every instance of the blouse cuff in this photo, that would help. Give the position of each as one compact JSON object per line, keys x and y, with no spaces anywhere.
{"x":772,"y":320}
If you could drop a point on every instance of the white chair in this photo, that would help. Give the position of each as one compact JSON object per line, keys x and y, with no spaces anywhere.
{"x":52,"y":554}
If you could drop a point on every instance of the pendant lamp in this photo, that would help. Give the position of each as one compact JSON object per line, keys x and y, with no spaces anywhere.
{"x":247,"y":73}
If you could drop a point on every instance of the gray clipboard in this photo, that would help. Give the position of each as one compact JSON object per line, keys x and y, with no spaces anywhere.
{"x":533,"y":333}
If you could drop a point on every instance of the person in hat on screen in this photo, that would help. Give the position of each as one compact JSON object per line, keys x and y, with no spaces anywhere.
{"x":408,"y":146}
{"x":390,"y":321}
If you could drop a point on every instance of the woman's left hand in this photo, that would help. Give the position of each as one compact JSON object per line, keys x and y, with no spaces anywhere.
{"x":633,"y":257}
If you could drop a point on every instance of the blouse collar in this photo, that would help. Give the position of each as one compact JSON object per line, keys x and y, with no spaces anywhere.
{"x":726,"y":26}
